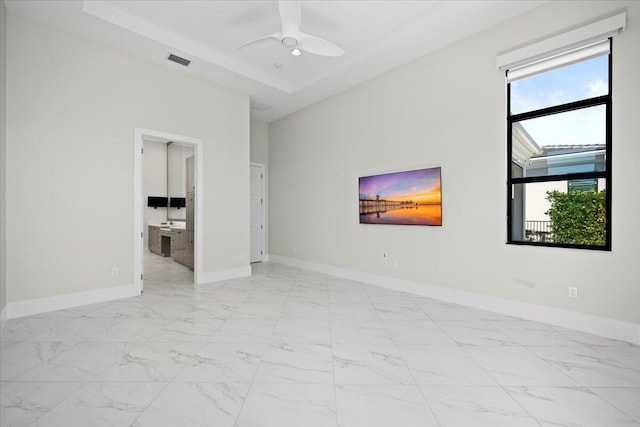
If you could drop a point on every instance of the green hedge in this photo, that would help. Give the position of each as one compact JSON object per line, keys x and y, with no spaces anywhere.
{"x":578,"y":217}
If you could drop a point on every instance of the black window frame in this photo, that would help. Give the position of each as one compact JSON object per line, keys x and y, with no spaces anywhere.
{"x":605,"y":100}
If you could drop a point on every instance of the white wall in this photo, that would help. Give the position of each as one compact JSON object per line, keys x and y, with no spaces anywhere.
{"x":72,"y":106}
{"x":259,"y":142}
{"x":154,"y":165}
{"x":3,"y":161}
{"x":448,"y":109}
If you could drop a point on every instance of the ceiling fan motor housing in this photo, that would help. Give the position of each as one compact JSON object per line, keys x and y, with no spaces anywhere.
{"x":290,"y":42}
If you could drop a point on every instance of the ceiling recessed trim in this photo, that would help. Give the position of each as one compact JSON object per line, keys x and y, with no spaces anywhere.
{"x":394,"y":33}
{"x":103,"y":10}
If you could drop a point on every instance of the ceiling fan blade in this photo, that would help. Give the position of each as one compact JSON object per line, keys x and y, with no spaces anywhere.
{"x":262,"y":41}
{"x":318,"y":46}
{"x":289,"y":16}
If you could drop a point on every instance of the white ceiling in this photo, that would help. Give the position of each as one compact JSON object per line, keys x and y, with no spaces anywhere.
{"x":377,"y":36}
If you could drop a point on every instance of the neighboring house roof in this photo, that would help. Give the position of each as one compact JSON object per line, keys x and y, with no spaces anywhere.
{"x":526,"y":151}
{"x":554,"y":150}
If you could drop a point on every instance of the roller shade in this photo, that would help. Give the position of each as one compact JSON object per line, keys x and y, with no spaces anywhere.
{"x":576,"y":55}
{"x":576,"y":45}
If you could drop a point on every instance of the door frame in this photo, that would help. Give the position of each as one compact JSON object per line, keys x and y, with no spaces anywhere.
{"x":140,"y":134}
{"x":263,"y":209}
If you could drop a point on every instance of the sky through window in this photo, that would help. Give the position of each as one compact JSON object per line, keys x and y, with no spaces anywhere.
{"x":582,"y":80}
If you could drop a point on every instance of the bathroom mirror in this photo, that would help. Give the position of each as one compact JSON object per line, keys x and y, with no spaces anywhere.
{"x":177,"y":179}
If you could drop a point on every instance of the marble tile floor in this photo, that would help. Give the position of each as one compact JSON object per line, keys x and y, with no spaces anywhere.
{"x":289,"y":347}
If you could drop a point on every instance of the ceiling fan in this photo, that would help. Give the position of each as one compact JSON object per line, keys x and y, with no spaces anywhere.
{"x":291,"y":36}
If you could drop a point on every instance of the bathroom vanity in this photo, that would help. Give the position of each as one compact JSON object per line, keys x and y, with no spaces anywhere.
{"x":172,"y":241}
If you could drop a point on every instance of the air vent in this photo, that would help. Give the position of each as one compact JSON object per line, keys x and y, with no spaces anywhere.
{"x":259,"y":106}
{"x":179,"y":60}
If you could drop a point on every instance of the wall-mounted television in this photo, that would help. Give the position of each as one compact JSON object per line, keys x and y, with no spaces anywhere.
{"x":177,"y":202}
{"x":404,"y":198}
{"x":157,"y":202}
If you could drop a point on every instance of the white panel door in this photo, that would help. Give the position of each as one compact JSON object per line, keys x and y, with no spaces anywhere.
{"x":257,"y":213}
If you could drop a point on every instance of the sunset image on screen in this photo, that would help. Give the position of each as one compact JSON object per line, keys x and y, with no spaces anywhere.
{"x":405,"y":198}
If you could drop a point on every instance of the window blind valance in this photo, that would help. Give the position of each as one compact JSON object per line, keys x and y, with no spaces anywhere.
{"x":576,"y":45}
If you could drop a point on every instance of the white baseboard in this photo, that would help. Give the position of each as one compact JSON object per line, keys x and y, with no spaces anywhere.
{"x":43,"y":305}
{"x":59,"y":302}
{"x":217,"y":276}
{"x":602,"y":326}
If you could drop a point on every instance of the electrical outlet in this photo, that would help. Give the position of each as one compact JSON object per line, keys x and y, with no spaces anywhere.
{"x":114,"y":271}
{"x":573,"y":292}
{"x":385,"y":261}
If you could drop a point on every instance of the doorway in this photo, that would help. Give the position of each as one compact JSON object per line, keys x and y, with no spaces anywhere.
{"x":257,"y":215}
{"x":168,"y":232}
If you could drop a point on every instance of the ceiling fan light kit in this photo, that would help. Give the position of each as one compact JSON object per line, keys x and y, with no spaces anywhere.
{"x":291,"y":37}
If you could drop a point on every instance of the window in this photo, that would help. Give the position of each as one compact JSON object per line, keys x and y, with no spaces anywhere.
{"x":582,"y":185}
{"x":559,"y":149}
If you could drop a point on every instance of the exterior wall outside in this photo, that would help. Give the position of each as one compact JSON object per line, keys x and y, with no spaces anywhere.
{"x":536,"y":203}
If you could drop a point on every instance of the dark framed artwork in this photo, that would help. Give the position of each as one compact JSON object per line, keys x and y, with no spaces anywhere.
{"x":402,"y":198}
